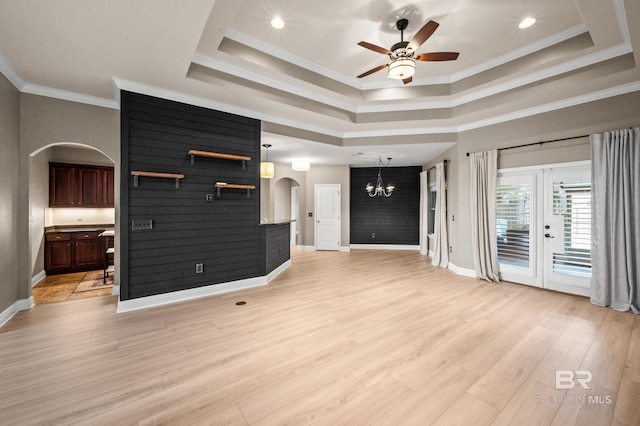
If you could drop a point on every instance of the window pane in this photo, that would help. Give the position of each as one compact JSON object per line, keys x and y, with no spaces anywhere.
{"x":572,"y":200}
{"x":513,"y":209}
{"x":432,"y":210}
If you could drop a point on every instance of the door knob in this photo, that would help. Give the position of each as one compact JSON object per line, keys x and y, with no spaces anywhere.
{"x":547,"y":227}
{"x":548,"y":236}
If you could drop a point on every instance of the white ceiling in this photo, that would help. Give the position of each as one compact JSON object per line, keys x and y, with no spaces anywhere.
{"x":300,"y":81}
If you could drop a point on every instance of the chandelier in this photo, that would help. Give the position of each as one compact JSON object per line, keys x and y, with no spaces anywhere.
{"x":380,"y":190}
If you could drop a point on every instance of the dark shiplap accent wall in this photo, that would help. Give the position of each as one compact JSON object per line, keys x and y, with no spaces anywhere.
{"x":223,"y":234}
{"x":277,"y":246}
{"x":394,"y":220}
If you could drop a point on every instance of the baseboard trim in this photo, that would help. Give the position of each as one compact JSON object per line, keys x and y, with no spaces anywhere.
{"x":345,"y":249}
{"x":199,"y":292}
{"x":384,"y":247}
{"x":37,"y":278}
{"x":462,"y":271}
{"x":19,"y":305}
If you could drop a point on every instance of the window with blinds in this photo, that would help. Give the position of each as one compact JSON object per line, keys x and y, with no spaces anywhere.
{"x":572,"y":201}
{"x":431,"y":221}
{"x":513,"y":218}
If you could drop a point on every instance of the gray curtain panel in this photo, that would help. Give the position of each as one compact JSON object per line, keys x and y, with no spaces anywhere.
{"x":424,"y":209}
{"x":484,"y":185}
{"x":441,"y":245}
{"x":615,"y":219}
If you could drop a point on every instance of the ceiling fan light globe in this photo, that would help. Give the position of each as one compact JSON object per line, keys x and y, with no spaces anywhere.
{"x":402,"y":68}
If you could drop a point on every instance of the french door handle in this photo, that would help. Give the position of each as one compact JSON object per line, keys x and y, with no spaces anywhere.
{"x":548,"y":236}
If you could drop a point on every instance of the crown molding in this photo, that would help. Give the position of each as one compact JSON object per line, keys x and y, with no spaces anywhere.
{"x":299,"y":61}
{"x":10,"y":73}
{"x":146,"y":89}
{"x":621,"y":17}
{"x":245,"y":73}
{"x":598,"y":95}
{"x":552,"y":40}
{"x":51,"y":92}
{"x":622,"y":89}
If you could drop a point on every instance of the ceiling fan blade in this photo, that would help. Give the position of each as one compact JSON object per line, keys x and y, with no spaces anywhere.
{"x":375,"y":48}
{"x":407,"y":80}
{"x":422,"y":35}
{"x":371,"y":71}
{"x":437,"y":56}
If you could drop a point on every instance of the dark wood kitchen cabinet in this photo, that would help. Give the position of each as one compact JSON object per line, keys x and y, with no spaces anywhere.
{"x":72,"y":252}
{"x":58,"y":253}
{"x":108,"y":191}
{"x":74,"y":185}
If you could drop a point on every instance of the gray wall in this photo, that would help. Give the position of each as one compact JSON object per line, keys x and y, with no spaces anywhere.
{"x":9,"y":175}
{"x":46,"y":122}
{"x":609,"y":114}
{"x":38,"y":201}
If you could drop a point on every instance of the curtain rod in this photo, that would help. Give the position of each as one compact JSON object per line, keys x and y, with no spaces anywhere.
{"x":431,"y":168}
{"x":540,"y":143}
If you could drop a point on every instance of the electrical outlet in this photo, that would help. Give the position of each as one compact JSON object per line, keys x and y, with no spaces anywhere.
{"x":199,"y":268}
{"x":373,"y":235}
{"x":209,"y":197}
{"x":450,"y":249}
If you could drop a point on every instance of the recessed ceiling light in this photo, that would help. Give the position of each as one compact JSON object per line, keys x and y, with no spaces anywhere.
{"x":526,"y":23}
{"x":277,"y":23}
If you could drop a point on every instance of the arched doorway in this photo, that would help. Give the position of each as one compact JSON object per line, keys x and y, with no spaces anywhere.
{"x":44,"y":220}
{"x":286,"y":205}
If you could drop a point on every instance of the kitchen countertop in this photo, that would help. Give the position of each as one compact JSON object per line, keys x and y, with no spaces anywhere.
{"x":78,"y":228}
{"x":276,"y":222}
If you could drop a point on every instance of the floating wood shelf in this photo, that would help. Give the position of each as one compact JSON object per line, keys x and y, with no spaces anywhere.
{"x":220,"y":185}
{"x":194,"y":153}
{"x":137,"y":173}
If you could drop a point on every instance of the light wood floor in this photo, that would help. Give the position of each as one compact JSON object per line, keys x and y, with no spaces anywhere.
{"x":361,"y":338}
{"x":64,"y":287}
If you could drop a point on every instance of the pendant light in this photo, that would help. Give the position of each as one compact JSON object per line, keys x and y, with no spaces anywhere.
{"x":267,"y":168}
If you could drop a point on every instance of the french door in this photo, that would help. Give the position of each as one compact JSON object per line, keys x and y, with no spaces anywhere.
{"x":544,"y":227}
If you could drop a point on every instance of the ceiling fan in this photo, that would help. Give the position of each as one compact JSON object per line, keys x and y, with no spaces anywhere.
{"x":403,"y":54}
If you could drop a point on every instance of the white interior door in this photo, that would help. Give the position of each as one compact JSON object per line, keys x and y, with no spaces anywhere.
{"x":544,"y":227}
{"x":327,"y":211}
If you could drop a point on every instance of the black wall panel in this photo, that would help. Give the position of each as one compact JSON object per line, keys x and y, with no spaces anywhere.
{"x":222,"y":234}
{"x":393,"y":220}
{"x":277,"y":246}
